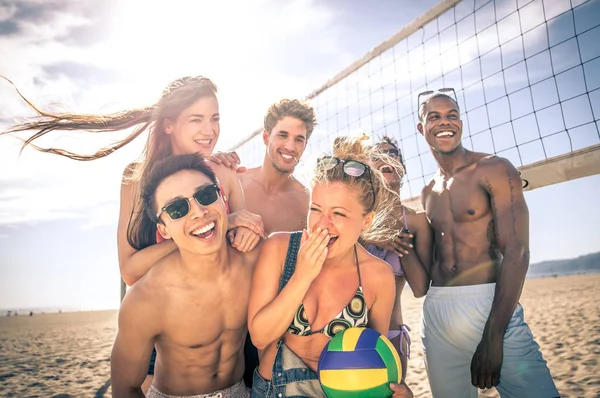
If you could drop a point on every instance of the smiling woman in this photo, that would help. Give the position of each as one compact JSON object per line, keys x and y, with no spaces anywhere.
{"x":185,"y":120}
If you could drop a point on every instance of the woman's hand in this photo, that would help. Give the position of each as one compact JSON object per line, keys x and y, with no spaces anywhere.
{"x":228,"y":159}
{"x":312,"y":253}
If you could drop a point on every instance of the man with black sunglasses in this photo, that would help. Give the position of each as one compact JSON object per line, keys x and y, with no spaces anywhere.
{"x":193,"y":303}
{"x":473,"y":330}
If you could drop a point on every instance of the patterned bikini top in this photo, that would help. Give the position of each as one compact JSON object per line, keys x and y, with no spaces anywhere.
{"x":354,"y":314}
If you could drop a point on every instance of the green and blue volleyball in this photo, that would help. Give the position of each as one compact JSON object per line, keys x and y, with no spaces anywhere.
{"x":359,"y":362}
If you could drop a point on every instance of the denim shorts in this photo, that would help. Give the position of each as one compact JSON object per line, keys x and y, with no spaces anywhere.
{"x":291,"y":378}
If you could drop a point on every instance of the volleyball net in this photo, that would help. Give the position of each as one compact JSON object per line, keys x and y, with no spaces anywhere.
{"x":526,"y":76}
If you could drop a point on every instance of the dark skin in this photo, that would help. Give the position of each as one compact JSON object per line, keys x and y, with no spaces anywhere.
{"x":480,"y":220}
{"x":417,"y":238}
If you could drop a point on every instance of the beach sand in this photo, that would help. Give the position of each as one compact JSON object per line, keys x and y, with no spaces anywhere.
{"x":564,"y":316}
{"x":67,"y":355}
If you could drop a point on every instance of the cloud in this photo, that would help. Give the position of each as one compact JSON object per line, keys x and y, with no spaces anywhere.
{"x":80,"y":72}
{"x":85,"y":55}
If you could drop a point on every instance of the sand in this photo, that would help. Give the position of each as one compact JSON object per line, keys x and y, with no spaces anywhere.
{"x":67,"y":355}
{"x":564,"y":316}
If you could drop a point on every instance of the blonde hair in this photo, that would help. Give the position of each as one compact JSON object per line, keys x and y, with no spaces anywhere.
{"x":375,"y":194}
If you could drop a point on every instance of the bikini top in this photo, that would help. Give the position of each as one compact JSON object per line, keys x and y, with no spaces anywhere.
{"x":354,"y":314}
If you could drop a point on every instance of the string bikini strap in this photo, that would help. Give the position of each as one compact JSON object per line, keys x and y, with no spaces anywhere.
{"x":357,"y":266}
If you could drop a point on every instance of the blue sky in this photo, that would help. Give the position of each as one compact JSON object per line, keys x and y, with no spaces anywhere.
{"x":58,"y":217}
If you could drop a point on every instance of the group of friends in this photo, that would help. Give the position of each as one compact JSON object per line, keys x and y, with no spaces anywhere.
{"x":239,"y":278}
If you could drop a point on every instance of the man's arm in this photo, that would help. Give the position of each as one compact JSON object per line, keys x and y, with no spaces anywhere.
{"x":417,"y":262}
{"x":133,"y":345}
{"x":511,"y":220}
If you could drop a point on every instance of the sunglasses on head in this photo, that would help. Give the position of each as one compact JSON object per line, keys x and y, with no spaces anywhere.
{"x":352,"y":168}
{"x":179,"y":208}
{"x":429,"y":93}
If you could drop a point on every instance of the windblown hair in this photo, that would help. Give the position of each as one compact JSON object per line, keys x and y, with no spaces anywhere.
{"x":177,"y":96}
{"x":161,"y":170}
{"x":432,"y":96}
{"x":374,"y":192}
{"x":294,"y":108}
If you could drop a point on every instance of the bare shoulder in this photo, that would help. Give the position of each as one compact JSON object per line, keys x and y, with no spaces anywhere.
{"x":375,"y":269}
{"x":298,"y":188}
{"x":426,"y":191}
{"x":277,"y":239}
{"x":492,"y":167}
{"x":143,"y":294}
{"x":221,"y":171}
{"x":249,"y":175}
{"x":416,"y":218}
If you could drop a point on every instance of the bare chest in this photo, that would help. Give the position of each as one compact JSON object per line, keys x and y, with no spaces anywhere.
{"x":456,"y":200}
{"x":280,"y":211}
{"x":200,"y":317}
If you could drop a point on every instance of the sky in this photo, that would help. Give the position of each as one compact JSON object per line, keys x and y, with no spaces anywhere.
{"x":58,"y":217}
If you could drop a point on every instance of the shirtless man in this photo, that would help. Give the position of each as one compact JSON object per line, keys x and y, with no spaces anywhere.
{"x":193,"y":304}
{"x":473,"y":331}
{"x":270,"y":190}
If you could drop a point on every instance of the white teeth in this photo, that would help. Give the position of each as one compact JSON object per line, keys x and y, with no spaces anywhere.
{"x":204,"y":229}
{"x":288,"y":157}
{"x":203,"y":142}
{"x":445,"y":134}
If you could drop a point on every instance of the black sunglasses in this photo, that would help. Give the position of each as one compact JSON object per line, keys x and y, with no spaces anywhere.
{"x":179,"y":208}
{"x":391,"y":152}
{"x":430,"y":92}
{"x":353,"y":168}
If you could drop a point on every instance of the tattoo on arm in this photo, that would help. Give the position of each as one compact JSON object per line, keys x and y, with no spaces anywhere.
{"x":492,"y":231}
{"x":492,"y":235}
{"x":512,"y":203}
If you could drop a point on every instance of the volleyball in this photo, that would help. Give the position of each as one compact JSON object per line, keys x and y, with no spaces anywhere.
{"x":359,"y":362}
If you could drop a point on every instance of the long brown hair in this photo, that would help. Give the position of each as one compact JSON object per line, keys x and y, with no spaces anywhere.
{"x":177,"y":96}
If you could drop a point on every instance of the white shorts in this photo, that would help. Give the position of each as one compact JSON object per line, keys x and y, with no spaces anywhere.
{"x":238,"y":390}
{"x":451,"y":329}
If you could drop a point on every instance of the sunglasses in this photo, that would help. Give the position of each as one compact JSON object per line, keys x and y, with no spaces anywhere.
{"x":179,"y":208}
{"x":352,"y":168}
{"x":391,"y":152}
{"x":430,"y":92}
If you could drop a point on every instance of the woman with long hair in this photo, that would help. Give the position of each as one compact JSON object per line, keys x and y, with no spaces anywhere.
{"x":310,"y":285}
{"x":184,"y":120}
